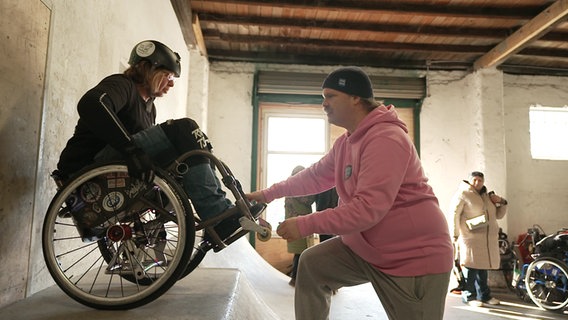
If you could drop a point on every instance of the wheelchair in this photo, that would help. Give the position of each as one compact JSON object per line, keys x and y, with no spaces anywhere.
{"x":112,"y":242}
{"x":545,"y":279}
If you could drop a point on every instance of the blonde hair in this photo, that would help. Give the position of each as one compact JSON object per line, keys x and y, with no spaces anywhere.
{"x":371,"y":103}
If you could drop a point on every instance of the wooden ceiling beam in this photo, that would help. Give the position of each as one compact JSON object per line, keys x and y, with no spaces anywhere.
{"x":527,"y":33}
{"x":486,"y":33}
{"x":391,"y":7}
{"x":198,"y":35}
{"x":332,"y":58}
{"x":310,"y":59}
{"x":372,"y":46}
{"x":325,"y":45}
{"x":182,"y":8}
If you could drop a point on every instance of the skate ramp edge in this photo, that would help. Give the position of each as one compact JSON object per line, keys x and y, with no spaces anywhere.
{"x":272,"y":288}
{"x":205,"y":294}
{"x":269,"y":284}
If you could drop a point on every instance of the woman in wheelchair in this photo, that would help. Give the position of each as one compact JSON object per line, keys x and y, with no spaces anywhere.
{"x":117,"y":121}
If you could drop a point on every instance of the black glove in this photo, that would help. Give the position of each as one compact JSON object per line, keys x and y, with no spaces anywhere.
{"x":139,"y":164}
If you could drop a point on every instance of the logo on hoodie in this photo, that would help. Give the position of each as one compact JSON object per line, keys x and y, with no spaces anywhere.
{"x":348,"y":171}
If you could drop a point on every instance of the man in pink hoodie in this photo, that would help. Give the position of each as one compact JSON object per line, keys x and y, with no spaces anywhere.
{"x":391,"y":230}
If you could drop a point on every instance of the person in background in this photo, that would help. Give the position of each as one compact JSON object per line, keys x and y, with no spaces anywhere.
{"x":117,"y":121}
{"x":391,"y":230}
{"x":475,"y":229}
{"x":295,"y":207}
{"x":325,"y":200}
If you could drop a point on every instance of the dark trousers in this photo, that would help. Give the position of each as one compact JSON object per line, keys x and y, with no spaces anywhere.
{"x":476,"y":287}
{"x":295,"y":262}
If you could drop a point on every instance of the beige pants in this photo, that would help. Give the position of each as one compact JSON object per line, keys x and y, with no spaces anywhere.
{"x":332,"y":265}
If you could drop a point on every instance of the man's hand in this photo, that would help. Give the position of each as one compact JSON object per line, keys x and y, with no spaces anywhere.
{"x":139,"y":164}
{"x":288,"y":229}
{"x":257,"y":196}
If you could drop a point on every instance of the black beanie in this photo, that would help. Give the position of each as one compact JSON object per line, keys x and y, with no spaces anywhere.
{"x":477,"y":174}
{"x":350,"y":80}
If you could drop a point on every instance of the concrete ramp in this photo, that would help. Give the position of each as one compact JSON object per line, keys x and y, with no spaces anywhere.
{"x":206,"y":294}
{"x":271,"y":286}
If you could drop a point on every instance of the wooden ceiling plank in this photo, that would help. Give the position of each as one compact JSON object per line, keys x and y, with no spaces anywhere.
{"x":329,"y":58}
{"x":182,"y":8}
{"x":527,"y":33}
{"x":198,"y":35}
{"x":460,"y":31}
{"x":312,"y":25}
{"x":278,"y":41}
{"x":394,"y":7}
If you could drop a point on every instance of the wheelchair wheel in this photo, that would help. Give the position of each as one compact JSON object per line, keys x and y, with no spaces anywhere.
{"x":198,"y":253}
{"x":546,"y":283}
{"x":112,"y":242}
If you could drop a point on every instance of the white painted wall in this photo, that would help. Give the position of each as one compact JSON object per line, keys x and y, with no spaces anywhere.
{"x":538,"y":189}
{"x":229,"y":119}
{"x":24,"y":32}
{"x":462,"y":131}
{"x":198,"y":88}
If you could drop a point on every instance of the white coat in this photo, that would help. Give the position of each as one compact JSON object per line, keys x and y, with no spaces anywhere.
{"x":479,"y":248}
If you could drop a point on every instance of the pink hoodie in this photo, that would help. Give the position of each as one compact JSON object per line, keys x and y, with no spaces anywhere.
{"x":388,"y":214}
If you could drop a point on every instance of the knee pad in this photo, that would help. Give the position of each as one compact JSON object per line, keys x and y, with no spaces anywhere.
{"x":185,"y":135}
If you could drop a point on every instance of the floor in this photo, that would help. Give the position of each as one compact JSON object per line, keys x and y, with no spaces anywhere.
{"x":237,"y":284}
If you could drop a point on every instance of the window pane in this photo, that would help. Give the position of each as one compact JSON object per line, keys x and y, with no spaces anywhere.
{"x":296,"y":134}
{"x":280,"y":167}
{"x":548,"y":129}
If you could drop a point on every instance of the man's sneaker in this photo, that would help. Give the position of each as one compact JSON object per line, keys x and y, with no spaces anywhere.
{"x":493,"y":301}
{"x":475,"y":303}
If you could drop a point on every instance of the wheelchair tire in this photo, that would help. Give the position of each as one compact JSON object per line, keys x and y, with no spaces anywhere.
{"x":136,"y":236}
{"x":546,"y":283}
{"x":197,"y":255}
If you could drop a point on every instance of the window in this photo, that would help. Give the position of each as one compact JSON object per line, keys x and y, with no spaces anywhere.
{"x":548,"y":129}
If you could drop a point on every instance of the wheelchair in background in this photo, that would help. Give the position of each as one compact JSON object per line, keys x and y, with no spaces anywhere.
{"x":543,"y":278}
{"x":113,"y":242}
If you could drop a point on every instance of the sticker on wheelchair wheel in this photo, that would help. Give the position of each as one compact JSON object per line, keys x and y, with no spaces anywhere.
{"x":90,"y":192}
{"x":117,"y":182}
{"x":135,"y":187}
{"x":96,"y":207}
{"x":113,"y":201}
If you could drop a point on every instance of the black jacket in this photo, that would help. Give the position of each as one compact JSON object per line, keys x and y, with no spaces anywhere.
{"x":109,"y":113}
